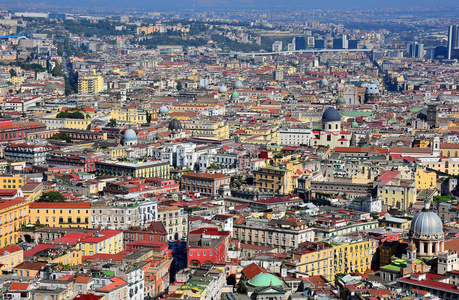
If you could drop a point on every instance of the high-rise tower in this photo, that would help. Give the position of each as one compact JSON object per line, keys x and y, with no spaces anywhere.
{"x":453,"y":42}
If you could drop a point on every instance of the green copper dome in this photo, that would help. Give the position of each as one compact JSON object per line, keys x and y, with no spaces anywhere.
{"x":355,"y":124}
{"x":235,"y":95}
{"x":265,"y":279}
{"x":341,"y":100}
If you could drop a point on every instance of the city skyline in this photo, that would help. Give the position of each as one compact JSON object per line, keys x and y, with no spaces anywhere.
{"x":200,"y":5}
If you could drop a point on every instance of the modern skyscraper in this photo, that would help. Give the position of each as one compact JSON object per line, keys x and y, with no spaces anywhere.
{"x":341,"y":43}
{"x":453,"y":42}
{"x":319,"y":44}
{"x":300,"y":42}
{"x":415,"y":50}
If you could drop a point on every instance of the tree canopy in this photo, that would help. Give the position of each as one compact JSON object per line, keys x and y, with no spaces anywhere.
{"x":51,"y":197}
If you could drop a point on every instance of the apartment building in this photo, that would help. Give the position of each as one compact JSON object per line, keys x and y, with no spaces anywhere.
{"x":105,"y":242}
{"x":275,"y":233}
{"x":60,"y":214}
{"x":275,"y":180}
{"x":13,"y":214}
{"x":205,"y":183}
{"x":175,"y":220}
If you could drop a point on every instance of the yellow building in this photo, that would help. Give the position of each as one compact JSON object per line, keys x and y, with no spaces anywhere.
{"x":340,"y":255}
{"x":17,"y":80}
{"x":10,"y":256}
{"x":275,"y":180}
{"x":90,"y":84}
{"x":116,"y":152}
{"x":81,"y":124}
{"x":11,"y":181}
{"x":259,"y":135}
{"x":204,"y":127}
{"x":60,"y":214}
{"x":32,"y":191}
{"x":130,"y":115}
{"x":352,"y":254}
{"x":138,"y":170}
{"x":425,"y":179}
{"x":315,"y":261}
{"x":389,"y":221}
{"x":394,"y":191}
{"x":105,"y":242}
{"x":65,"y":256}
{"x":13,"y":214}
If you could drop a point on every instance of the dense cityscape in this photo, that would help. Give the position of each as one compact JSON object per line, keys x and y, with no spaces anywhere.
{"x":212,"y":154}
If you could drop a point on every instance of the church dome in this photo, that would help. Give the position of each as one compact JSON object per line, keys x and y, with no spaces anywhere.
{"x":324,"y":82}
{"x":238,"y":84}
{"x":341,"y":101}
{"x":175,"y":125}
{"x":130,"y":136}
{"x":235,"y":95}
{"x":355,"y":124}
{"x":163,"y":109}
{"x":265,"y":279}
{"x":426,"y":222}
{"x":331,"y":114}
{"x":222,"y":89}
{"x":372,"y":89}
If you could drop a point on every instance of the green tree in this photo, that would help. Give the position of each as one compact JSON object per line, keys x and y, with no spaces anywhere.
{"x":13,"y":73}
{"x":179,"y":86}
{"x":60,"y":49}
{"x":112,"y":123}
{"x":51,"y":197}
{"x":74,"y":113}
{"x":148,"y":117}
{"x":62,"y":136}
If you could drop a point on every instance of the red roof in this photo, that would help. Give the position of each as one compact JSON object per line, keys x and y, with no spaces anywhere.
{"x":102,"y":236}
{"x":116,"y":283}
{"x":19,"y":286}
{"x":87,"y":297}
{"x":253,"y":270}
{"x":10,"y":249}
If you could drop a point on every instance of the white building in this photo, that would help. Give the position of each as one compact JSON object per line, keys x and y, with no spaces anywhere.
{"x":295,"y":136}
{"x":331,"y":134}
{"x":277,"y":46}
{"x":23,"y":104}
{"x":148,"y":212}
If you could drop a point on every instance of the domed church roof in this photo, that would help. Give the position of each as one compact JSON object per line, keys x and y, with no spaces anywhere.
{"x":129,"y":136}
{"x":331,"y":114}
{"x":265,"y":279}
{"x":235,"y":95}
{"x":341,"y":100}
{"x":222,"y":89}
{"x":175,"y":125}
{"x":372,"y":89}
{"x":426,"y":222}
{"x":163,"y":109}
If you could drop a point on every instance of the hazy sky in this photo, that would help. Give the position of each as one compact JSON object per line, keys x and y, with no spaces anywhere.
{"x":238,"y":4}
